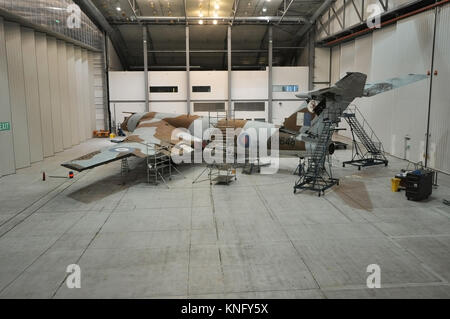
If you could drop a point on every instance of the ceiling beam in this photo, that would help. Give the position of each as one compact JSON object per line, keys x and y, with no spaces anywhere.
{"x":286,"y":9}
{"x":116,"y":38}
{"x":235,"y":9}
{"x":220,"y":20}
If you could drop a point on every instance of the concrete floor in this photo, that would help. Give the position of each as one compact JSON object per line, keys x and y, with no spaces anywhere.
{"x":251,"y":239}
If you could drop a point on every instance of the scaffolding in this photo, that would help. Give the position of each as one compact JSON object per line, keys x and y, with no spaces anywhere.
{"x":224,"y":170}
{"x":159,"y":164}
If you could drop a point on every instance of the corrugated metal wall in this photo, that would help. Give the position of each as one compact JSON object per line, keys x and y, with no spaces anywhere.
{"x":45,"y":96}
{"x":403,"y":48}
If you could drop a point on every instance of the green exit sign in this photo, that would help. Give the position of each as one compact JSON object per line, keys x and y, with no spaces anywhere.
{"x":5,"y":126}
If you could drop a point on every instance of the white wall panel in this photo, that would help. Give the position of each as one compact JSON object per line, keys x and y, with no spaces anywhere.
{"x":414,"y":52}
{"x":126,"y":86}
{"x":32,"y":95}
{"x":85,"y":96}
{"x":7,"y":165}
{"x":64,"y":95}
{"x":19,"y":121}
{"x":249,"y":85}
{"x":363,"y":62}
{"x":52,"y":53}
{"x":322,"y":62}
{"x":79,"y":93}
{"x":44,"y":94}
{"x":91,"y":91}
{"x":168,"y":107}
{"x":335,"y":63}
{"x":440,"y":105}
{"x":347,"y":59}
{"x":170,"y":78}
{"x":384,"y":67}
{"x":218,"y":80}
{"x":72,"y":94}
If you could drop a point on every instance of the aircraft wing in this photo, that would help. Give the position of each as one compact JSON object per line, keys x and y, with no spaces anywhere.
{"x":390,"y":84}
{"x":146,"y":140}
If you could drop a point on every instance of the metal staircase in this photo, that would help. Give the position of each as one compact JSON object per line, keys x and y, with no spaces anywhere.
{"x":369,"y":150}
{"x":315,"y":176}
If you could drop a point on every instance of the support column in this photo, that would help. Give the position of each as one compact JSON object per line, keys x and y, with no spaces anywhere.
{"x":146,"y":88}
{"x":311,"y":58}
{"x":188,"y":75}
{"x":229,"y":71}
{"x":270,"y":84}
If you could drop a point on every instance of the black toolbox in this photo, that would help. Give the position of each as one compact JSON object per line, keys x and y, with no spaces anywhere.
{"x":419,"y":184}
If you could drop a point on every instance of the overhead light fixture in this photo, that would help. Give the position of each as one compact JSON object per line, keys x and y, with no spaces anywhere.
{"x":264,"y":9}
{"x":200,"y":21}
{"x":200,"y":14}
{"x":216,"y":6}
{"x":214,"y":21}
{"x":119,"y":9}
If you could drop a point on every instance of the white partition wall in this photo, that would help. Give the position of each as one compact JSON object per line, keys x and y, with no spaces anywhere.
{"x":64,"y":95}
{"x":91,"y":90}
{"x":39,"y":94}
{"x":32,"y":95}
{"x":19,"y":121}
{"x":44,"y":94}
{"x":7,"y":165}
{"x":55,"y":94}
{"x":249,"y":88}
{"x":79,"y":93}
{"x":72,"y":80}
{"x":86,"y":99}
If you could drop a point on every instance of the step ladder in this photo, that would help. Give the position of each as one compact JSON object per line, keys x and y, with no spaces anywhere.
{"x":315,"y":176}
{"x":367,"y":149}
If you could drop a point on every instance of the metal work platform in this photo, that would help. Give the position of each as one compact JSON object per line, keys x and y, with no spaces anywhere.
{"x":367,"y":149}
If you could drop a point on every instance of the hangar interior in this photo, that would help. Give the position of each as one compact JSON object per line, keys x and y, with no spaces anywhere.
{"x":70,"y":70}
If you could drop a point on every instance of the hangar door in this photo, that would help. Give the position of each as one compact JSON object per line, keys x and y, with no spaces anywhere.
{"x":439,"y":130}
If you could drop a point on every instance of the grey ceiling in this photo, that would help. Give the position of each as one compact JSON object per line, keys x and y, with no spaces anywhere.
{"x":171,"y":36}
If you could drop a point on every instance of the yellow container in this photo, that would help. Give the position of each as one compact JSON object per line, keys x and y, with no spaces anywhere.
{"x":395,"y":183}
{"x":112,"y":135}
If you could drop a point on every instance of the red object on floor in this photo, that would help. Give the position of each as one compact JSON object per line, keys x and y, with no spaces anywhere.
{"x":70,"y":174}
